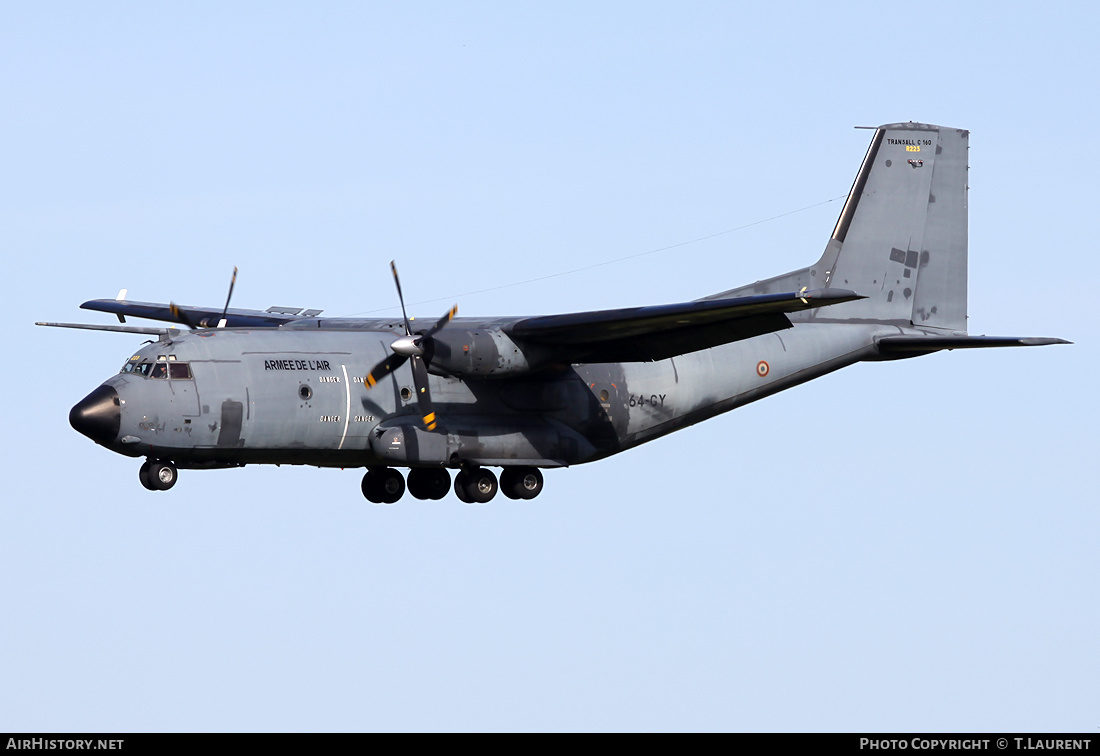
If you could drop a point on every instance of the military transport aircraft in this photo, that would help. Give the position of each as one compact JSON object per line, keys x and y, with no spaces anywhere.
{"x":239,"y":387}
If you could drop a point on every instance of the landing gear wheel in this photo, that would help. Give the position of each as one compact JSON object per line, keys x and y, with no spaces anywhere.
{"x":161,"y":475}
{"x":383,"y":485}
{"x":477,"y":486}
{"x":460,"y":488}
{"x":143,"y":476}
{"x":429,"y":483}
{"x":521,"y":482}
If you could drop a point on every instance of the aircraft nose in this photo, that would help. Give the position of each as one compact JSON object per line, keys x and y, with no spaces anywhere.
{"x":98,"y":415}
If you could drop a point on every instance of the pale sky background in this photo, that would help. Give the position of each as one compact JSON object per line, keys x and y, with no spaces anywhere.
{"x":897,"y":546}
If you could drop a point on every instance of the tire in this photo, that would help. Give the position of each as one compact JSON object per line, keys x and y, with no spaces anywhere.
{"x":461,"y":480}
{"x":417,"y":484}
{"x":371,"y":490}
{"x":143,"y":476}
{"x":441,"y":484}
{"x":392,"y":485}
{"x":480,"y":485}
{"x":521,"y":482}
{"x":429,"y":483}
{"x":162,"y":475}
{"x":383,"y":486}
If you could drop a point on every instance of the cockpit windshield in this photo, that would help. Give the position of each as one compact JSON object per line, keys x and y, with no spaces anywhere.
{"x":180,"y":371}
{"x":137,"y":368}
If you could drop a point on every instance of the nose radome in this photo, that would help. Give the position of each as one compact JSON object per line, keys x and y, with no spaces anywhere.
{"x":97,"y":415}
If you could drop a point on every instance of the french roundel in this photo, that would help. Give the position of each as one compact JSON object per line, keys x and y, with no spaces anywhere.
{"x":762,"y":369}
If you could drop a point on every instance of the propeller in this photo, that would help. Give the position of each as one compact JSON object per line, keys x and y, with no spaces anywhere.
{"x":181,"y":315}
{"x":232,"y":283}
{"x":415,"y":347}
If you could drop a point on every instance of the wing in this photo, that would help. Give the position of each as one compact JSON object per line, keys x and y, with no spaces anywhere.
{"x":643,"y":334}
{"x":199,"y":316}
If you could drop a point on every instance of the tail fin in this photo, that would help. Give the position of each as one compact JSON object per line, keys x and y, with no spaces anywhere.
{"x":901,"y":237}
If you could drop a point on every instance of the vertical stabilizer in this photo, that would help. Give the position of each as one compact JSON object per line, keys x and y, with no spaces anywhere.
{"x":901,"y":238}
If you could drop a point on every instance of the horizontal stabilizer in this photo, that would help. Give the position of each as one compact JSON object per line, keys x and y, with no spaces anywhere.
{"x":911,"y":346}
{"x":642,"y":334}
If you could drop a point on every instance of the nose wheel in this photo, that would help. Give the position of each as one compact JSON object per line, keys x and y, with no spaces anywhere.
{"x":158,"y":475}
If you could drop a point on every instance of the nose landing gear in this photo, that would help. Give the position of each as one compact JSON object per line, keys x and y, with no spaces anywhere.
{"x":157,"y":474}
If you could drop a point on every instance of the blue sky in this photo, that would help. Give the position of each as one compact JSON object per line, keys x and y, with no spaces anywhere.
{"x":898,"y":546}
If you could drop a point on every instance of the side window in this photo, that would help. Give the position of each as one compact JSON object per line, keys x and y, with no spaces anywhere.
{"x":179,"y":370}
{"x":160,"y":370}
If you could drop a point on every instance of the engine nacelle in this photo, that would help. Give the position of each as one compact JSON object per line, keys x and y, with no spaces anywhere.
{"x":483,"y":353}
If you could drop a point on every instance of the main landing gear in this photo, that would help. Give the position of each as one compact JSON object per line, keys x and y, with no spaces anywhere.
{"x":477,"y":485}
{"x":383,"y":485}
{"x":158,"y":474}
{"x":521,"y":482}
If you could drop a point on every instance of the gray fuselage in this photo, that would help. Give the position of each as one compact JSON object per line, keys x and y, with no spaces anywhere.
{"x":297,"y":397}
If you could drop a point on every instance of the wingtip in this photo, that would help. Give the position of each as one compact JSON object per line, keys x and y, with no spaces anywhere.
{"x":830,"y":296}
{"x":1042,"y":341}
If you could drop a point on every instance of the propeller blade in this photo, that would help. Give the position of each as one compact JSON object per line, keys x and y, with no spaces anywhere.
{"x":400,"y":296}
{"x":181,"y":316}
{"x":384,"y":368}
{"x":232,"y":283}
{"x":441,"y":322}
{"x":424,"y":399}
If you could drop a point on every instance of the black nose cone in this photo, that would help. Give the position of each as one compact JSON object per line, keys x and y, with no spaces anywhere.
{"x":97,"y":415}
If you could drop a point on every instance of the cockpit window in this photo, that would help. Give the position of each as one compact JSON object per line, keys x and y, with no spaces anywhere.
{"x":179,"y":370}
